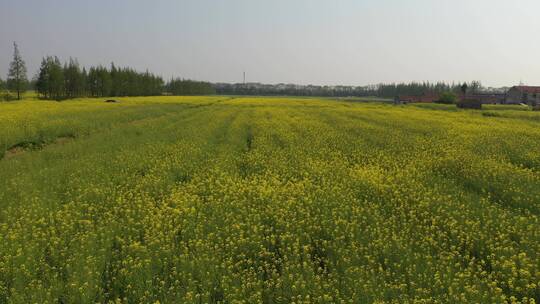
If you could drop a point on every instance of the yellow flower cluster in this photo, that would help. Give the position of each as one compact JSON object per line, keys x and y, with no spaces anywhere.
{"x":267,"y":200}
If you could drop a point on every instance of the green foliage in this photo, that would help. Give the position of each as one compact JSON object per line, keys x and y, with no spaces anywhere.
{"x":464,"y":88}
{"x":413,"y":88}
{"x":475,"y":87}
{"x":50,"y":83}
{"x":42,"y":78}
{"x":56,"y":79}
{"x":189,"y":87}
{"x":128,"y":82}
{"x":99,"y":82}
{"x":70,"y":81}
{"x":447,"y":98}
{"x":75,"y":80}
{"x":17,"y":81}
{"x":7,"y":96}
{"x":490,"y":114}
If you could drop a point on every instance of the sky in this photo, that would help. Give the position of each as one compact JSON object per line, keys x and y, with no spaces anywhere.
{"x":324,"y":42}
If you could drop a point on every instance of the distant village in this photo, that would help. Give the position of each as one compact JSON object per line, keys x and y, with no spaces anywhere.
{"x":527,"y":95}
{"x":400,"y":93}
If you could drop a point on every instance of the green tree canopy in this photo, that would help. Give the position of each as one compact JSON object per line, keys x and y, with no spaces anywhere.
{"x":17,"y":80}
{"x":74,"y":80}
{"x":189,"y":87}
{"x":447,"y":98}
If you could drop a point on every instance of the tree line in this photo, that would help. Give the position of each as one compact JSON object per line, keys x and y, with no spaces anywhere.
{"x":177,"y":86}
{"x":62,"y":81}
{"x":426,"y":88}
{"x":380,"y":90}
{"x":259,"y":89}
{"x":57,"y":81}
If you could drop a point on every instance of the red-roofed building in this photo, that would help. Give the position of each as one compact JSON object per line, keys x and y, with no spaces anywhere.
{"x":523,"y":94}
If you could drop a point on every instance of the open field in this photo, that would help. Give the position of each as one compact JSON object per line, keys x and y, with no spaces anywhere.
{"x":254,"y":200}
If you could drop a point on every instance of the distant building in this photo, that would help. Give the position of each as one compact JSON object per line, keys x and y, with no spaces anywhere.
{"x":428,"y":98}
{"x":523,"y":94}
{"x":485,"y":98}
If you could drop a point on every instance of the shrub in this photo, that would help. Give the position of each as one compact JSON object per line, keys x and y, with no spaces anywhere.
{"x":469,"y":104}
{"x":490,"y":114}
{"x":447,"y":98}
{"x":6,"y":96}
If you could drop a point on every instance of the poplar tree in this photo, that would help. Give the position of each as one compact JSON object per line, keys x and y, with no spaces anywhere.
{"x":17,"y":80}
{"x":42,"y":82}
{"x":93,"y":82}
{"x":56,"y":79}
{"x":84,"y":82}
{"x":464,"y":88}
{"x":189,"y":87}
{"x":115,"y":80}
{"x":105,"y":81}
{"x":73,"y":79}
{"x":2,"y":86}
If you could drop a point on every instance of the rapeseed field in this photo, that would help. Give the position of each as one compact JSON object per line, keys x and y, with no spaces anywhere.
{"x":267,"y":200}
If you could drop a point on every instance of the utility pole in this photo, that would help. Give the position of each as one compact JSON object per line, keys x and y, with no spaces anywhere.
{"x":244,"y":78}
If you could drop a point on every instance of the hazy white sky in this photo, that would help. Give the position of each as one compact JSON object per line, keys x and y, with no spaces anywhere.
{"x":352,"y":42}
